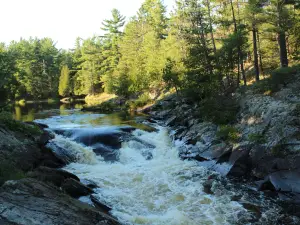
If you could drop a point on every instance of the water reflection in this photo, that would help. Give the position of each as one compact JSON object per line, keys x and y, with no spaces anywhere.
{"x":32,"y":111}
{"x":55,"y":112}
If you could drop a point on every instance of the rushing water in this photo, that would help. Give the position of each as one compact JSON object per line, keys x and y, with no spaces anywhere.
{"x":161,"y":189}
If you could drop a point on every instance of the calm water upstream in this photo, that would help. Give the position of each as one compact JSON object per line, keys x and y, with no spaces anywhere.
{"x":143,"y":180}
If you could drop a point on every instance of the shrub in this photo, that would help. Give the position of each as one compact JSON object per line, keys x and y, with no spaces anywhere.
{"x":257,"y":138}
{"x":228,"y":133}
{"x":262,"y":86}
{"x":281,"y":77}
{"x":278,"y":78}
{"x":220,"y":110}
{"x":143,"y":100}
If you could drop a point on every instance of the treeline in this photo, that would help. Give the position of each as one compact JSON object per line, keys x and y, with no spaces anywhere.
{"x":202,"y":48}
{"x":30,"y":69}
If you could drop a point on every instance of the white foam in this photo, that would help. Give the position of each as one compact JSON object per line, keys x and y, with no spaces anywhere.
{"x":82,"y":153}
{"x":164,"y":190}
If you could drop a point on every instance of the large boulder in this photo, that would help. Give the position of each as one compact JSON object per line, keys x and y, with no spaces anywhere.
{"x":284,"y":181}
{"x":29,"y":201}
{"x":22,"y":149}
{"x":239,"y":161}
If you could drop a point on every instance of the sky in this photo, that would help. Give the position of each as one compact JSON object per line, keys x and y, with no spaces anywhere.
{"x":62,"y":20}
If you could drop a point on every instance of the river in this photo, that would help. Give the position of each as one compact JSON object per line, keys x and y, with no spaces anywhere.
{"x":143,"y":180}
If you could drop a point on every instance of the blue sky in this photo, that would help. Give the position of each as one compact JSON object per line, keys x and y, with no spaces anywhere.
{"x":62,"y":20}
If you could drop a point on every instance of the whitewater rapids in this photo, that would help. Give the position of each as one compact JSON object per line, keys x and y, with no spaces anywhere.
{"x":162,"y":191}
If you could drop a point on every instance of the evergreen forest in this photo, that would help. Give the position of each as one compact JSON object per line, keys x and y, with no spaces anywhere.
{"x":203,"y":48}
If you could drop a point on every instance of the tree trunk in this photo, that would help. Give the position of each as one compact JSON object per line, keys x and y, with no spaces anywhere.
{"x":281,"y":37}
{"x":260,"y":55}
{"x":210,"y":27}
{"x":255,"y":55}
{"x":213,"y":42}
{"x":282,"y":49}
{"x":240,"y":54}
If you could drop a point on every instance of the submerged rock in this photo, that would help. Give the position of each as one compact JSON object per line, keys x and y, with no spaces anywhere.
{"x":39,"y":203}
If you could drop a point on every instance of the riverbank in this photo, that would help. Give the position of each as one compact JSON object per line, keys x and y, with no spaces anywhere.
{"x":252,"y":135}
{"x":46,"y":193}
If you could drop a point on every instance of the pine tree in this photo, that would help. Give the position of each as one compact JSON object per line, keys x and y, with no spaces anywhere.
{"x":64,"y":81}
{"x":110,"y":51}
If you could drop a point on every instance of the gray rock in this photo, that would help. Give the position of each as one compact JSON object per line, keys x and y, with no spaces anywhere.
{"x":89,"y":183}
{"x":284,"y":182}
{"x":29,"y":201}
{"x":171,"y":121}
{"x":216,"y":151}
{"x":54,"y":176}
{"x":62,"y":154}
{"x":75,"y":189}
{"x":207,"y":186}
{"x":240,"y":161}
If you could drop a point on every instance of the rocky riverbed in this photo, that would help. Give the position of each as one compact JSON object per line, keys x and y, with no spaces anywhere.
{"x":137,"y":174}
{"x":262,"y":145}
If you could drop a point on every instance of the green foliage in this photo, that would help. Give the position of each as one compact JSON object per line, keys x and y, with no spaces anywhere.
{"x":8,"y":171}
{"x":111,"y":51}
{"x":141,"y":101}
{"x":281,"y":77}
{"x":228,"y":133}
{"x":220,"y":110}
{"x":8,"y":122}
{"x":170,"y":76}
{"x":202,"y":50}
{"x":64,"y":82}
{"x":261,"y":87}
{"x":257,"y":138}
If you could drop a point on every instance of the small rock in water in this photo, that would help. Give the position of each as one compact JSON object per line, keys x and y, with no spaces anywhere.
{"x":89,"y":183}
{"x":207,"y":185}
{"x":254,"y":209}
